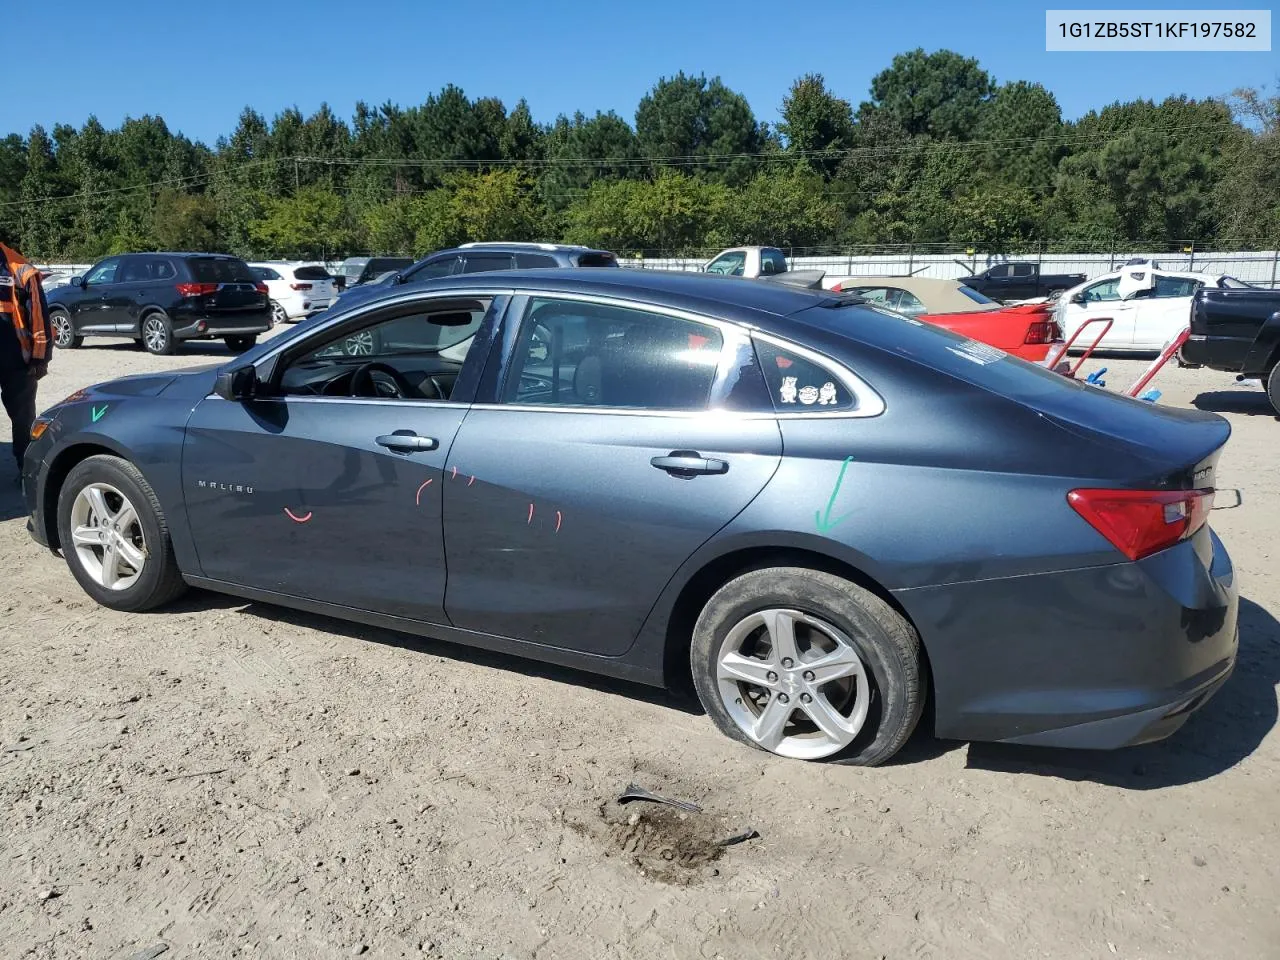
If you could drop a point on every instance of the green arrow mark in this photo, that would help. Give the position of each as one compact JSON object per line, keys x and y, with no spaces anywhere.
{"x":99,"y":411}
{"x":823,"y":521}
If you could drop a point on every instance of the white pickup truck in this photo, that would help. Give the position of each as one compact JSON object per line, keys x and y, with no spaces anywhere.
{"x":765,"y":263}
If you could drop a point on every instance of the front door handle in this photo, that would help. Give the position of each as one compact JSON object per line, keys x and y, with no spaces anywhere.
{"x":406,"y":441}
{"x":688,"y":463}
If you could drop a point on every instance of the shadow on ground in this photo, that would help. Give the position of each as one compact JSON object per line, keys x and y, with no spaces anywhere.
{"x":1226,"y":731}
{"x":1253,"y":403}
{"x":12,"y":505}
{"x":198,"y":601}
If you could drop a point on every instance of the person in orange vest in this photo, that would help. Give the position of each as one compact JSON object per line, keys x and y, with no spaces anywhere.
{"x":25,"y":344}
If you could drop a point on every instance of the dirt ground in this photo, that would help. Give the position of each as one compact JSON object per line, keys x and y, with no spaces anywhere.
{"x":229,"y":779}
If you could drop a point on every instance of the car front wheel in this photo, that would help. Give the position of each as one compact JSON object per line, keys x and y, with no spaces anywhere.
{"x":808,"y":665}
{"x":114,"y":536}
{"x":1273,"y":387}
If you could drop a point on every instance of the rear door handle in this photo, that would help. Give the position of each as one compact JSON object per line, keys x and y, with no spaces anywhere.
{"x":406,"y":441}
{"x":688,"y":463}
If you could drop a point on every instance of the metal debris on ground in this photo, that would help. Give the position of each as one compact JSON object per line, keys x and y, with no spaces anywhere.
{"x":747,"y":834}
{"x":635,"y":792}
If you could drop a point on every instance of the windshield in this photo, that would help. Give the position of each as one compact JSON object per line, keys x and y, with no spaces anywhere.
{"x":974,"y":295}
{"x":352,"y":270}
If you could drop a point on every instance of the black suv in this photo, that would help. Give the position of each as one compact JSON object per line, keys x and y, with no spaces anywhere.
{"x":483,"y":257}
{"x":161,"y":299}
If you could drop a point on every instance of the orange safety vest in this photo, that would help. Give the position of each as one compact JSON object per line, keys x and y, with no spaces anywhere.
{"x":31,"y":325}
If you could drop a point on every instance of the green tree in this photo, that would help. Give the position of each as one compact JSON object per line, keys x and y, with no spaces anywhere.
{"x":185,"y":221}
{"x":499,"y":205}
{"x":309,"y":224}
{"x":939,"y":95}
{"x":814,"y":120}
{"x":687,"y":116}
{"x":786,"y":208}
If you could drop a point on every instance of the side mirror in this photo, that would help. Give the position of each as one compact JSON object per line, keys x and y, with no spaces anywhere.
{"x":1077,"y":297}
{"x":236,"y":385}
{"x":77,"y":282}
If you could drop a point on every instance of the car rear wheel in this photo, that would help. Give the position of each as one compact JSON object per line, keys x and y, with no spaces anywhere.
{"x":1273,"y":387}
{"x":363,"y":344}
{"x":239,"y":344}
{"x":278,"y":314}
{"x":808,"y":665}
{"x":64,"y":334}
{"x":157,"y":334}
{"x":114,"y":536}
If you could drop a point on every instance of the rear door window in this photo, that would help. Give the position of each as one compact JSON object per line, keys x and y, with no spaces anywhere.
{"x":484,"y":262}
{"x":220,"y":270}
{"x":583,"y":354}
{"x":535,"y":261}
{"x":597,"y":260}
{"x":1175,"y":286}
{"x":1023,"y":269}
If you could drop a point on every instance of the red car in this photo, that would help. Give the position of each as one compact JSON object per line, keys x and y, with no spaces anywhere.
{"x":1025,"y":330}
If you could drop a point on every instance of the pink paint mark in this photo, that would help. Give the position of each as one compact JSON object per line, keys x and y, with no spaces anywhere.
{"x":297,"y":519}
{"x":530,"y":513}
{"x":557,"y":521}
{"x":472,"y":480}
{"x":417,"y":499}
{"x":455,"y":474}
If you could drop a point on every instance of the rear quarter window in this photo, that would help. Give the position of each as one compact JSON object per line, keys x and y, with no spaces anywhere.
{"x":939,"y":349}
{"x":597,"y":260}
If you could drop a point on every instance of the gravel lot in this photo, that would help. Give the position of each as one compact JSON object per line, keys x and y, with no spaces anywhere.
{"x":236,"y":780}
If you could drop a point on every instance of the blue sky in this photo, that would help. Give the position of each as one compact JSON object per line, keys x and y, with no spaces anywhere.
{"x":198,"y":64}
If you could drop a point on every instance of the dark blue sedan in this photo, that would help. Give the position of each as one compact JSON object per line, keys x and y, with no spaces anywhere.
{"x":821,"y":512}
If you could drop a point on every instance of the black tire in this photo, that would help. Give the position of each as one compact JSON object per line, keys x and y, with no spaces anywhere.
{"x":160,"y":581}
{"x":887,"y":644}
{"x":239,"y":344}
{"x":1273,"y":388}
{"x":157,"y":335}
{"x":64,"y":335}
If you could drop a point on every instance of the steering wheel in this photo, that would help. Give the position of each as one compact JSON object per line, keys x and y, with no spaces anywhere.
{"x":381,"y":380}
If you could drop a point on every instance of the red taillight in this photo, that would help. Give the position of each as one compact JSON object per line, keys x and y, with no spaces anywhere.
{"x":1139,"y":523}
{"x":260,"y":287}
{"x":197,"y":289}
{"x":297,"y":286}
{"x":1041,"y":331}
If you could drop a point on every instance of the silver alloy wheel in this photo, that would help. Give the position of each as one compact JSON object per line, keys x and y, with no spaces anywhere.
{"x":793,"y":683}
{"x":106,"y":533}
{"x":278,"y":314}
{"x":62,"y":333}
{"x":359,"y":344}
{"x":154,"y":334}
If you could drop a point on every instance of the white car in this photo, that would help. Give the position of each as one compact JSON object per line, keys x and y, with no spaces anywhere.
{"x":1148,"y":306}
{"x":296,"y":291}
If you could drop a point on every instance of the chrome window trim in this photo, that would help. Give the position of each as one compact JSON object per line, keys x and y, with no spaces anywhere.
{"x":868,"y":403}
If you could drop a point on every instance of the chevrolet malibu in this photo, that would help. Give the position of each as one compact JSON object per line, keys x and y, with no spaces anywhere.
{"x":822,"y":513}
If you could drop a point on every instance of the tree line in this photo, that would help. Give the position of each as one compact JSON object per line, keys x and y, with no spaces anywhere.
{"x":938,"y":153}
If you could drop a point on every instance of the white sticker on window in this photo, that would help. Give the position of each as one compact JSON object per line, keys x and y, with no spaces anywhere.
{"x":808,"y":395}
{"x":827,"y":394}
{"x":979,"y":353}
{"x":787,"y":392}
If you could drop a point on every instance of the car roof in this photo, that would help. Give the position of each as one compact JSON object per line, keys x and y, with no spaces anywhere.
{"x":938,"y":295}
{"x":733,"y":298}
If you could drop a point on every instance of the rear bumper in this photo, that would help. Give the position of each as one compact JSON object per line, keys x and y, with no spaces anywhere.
{"x":1093,"y":658}
{"x":234,"y":325}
